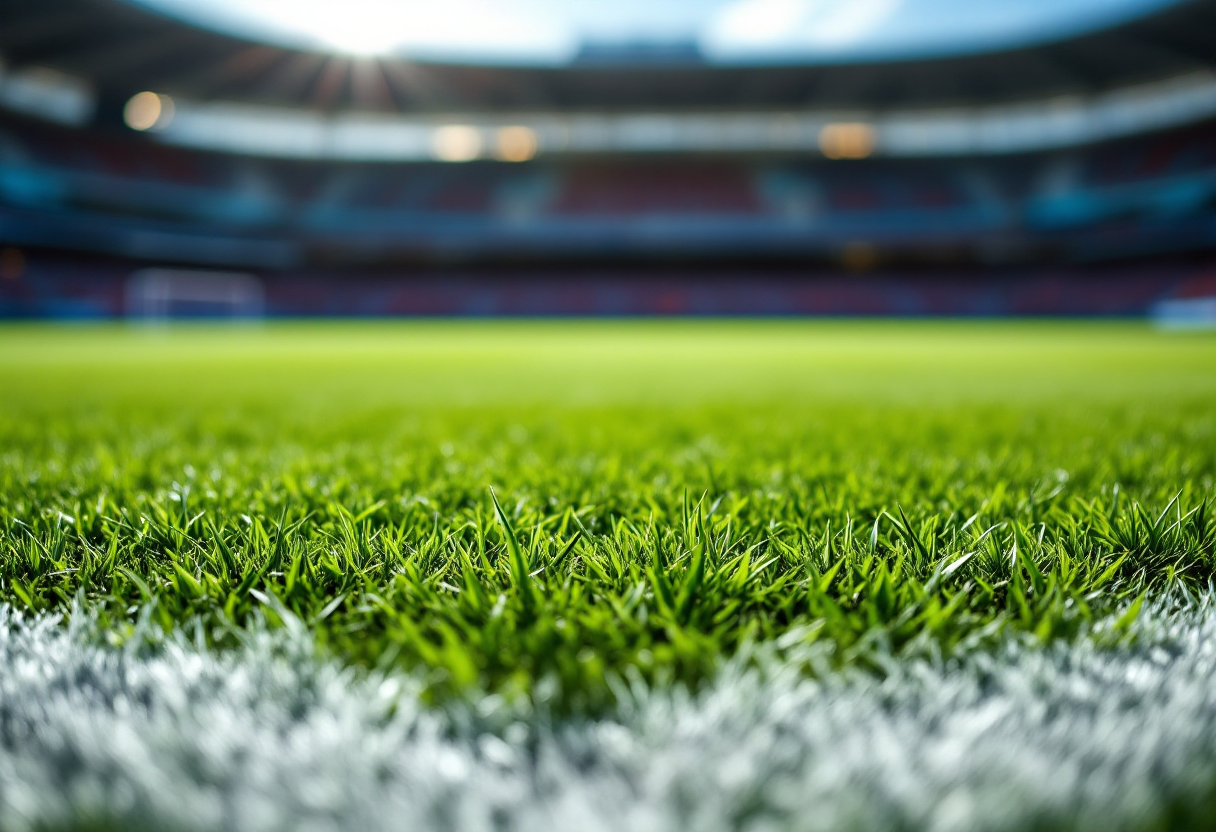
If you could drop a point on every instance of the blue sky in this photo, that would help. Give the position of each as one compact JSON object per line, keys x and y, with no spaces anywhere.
{"x":749,"y":31}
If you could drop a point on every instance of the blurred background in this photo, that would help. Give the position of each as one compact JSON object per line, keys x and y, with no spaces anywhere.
{"x":246,"y":158}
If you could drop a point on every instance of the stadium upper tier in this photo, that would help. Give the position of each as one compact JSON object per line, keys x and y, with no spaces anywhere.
{"x":90,"y":191}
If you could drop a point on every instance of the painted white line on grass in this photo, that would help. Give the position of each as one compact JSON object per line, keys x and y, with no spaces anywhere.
{"x":268,"y":738}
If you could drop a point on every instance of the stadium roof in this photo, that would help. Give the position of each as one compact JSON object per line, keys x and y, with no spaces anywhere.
{"x":119,"y":49}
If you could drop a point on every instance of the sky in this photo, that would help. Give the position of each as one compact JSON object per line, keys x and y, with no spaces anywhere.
{"x":551,"y":32}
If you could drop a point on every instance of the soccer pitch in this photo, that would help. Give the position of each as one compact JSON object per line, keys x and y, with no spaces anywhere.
{"x":614,"y":575}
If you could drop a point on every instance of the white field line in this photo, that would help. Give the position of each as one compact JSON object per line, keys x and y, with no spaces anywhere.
{"x":269,"y":738}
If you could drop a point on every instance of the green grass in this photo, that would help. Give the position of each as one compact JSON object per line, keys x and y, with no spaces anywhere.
{"x":666,"y":492}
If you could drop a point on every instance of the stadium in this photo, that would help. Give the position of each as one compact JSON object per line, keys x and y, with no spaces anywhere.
{"x":710,"y":415}
{"x":1073,"y":176}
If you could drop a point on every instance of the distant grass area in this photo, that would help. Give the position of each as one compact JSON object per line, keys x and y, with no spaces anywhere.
{"x":666,"y":492}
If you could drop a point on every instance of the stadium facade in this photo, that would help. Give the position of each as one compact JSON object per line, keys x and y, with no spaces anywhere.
{"x":1071,"y":176}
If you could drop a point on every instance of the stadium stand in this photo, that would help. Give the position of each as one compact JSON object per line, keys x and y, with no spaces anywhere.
{"x":657,"y":188}
{"x":607,"y":164}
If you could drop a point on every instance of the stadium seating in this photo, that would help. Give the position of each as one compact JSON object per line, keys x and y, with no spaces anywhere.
{"x":672,"y":188}
{"x":1157,"y":192}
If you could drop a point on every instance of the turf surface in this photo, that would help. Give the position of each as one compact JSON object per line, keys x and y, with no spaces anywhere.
{"x":537,"y":509}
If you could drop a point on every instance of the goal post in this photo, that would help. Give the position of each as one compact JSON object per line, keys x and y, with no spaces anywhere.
{"x":163,"y":294}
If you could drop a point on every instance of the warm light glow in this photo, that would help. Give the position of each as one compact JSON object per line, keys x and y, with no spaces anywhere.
{"x":148,"y":111}
{"x":516,"y":144}
{"x":12,"y":264}
{"x":847,"y":141}
{"x":859,"y":257}
{"x":456,"y":143}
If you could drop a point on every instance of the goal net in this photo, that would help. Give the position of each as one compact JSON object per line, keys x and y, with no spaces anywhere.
{"x":161,"y":294}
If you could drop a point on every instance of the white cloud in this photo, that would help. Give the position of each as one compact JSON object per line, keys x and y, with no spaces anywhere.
{"x":843,"y":23}
{"x":796,"y":24}
{"x":760,"y":22}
